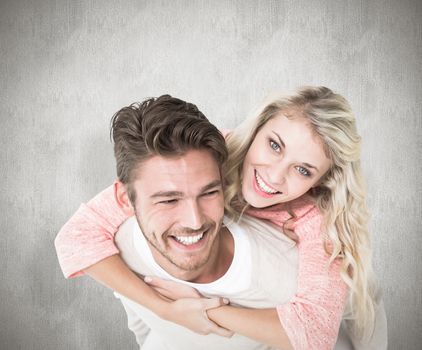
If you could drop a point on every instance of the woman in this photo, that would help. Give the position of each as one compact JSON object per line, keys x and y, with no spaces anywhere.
{"x":298,"y":160}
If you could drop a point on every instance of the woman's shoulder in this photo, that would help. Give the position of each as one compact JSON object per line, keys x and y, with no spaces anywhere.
{"x":304,"y":207}
{"x":308,"y":221}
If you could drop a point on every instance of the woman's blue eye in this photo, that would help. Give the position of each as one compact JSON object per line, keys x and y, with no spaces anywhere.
{"x":303,"y":171}
{"x":274,"y":145}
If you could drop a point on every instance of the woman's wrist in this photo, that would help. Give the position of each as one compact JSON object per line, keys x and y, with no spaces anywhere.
{"x":162,"y":308}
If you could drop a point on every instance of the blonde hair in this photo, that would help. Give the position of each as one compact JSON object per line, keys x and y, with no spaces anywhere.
{"x":340,"y":196}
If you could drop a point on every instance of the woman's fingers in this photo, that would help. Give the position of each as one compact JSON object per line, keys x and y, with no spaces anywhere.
{"x":288,"y":229}
{"x":212,"y":303}
{"x":192,"y":313}
{"x":223,"y":332}
{"x":291,"y":234}
{"x":164,"y":294}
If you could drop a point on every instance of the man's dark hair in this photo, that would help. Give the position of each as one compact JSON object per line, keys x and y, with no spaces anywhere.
{"x":165,"y":126}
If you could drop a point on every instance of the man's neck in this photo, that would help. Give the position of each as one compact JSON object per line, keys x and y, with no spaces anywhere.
{"x":218,"y":264}
{"x":220,"y":260}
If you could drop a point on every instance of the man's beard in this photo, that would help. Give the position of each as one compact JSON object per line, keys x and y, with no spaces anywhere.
{"x":164,"y":249}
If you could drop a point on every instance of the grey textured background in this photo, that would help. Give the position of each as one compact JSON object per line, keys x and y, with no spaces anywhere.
{"x":67,"y":66}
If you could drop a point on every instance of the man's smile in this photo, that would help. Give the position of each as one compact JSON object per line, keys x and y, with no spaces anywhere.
{"x":189,"y":240}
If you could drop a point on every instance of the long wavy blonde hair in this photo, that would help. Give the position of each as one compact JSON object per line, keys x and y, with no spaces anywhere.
{"x":340,"y":195}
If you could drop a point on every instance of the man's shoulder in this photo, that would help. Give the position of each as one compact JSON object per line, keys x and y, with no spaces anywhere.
{"x":131,"y":251}
{"x":125,"y":229}
{"x":271,"y":254}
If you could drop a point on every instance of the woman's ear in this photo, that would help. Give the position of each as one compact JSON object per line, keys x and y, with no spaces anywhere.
{"x":316,"y":184}
{"x":321,"y":180}
{"x":122,"y":198}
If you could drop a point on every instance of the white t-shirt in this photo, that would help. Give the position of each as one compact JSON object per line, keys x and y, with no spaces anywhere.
{"x":260,"y":253}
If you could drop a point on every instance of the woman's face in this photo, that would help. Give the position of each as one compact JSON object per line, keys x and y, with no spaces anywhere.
{"x":284,"y":161}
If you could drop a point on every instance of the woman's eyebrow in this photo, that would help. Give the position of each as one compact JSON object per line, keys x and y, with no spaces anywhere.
{"x":310,"y":166}
{"x":284,"y":146}
{"x":279,"y":139}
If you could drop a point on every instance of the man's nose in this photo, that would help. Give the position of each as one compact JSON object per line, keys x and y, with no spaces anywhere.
{"x":192,"y":216}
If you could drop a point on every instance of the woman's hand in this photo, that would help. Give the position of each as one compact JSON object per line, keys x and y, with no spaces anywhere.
{"x":187,"y":307}
{"x":192,"y":314}
{"x":289,"y":229}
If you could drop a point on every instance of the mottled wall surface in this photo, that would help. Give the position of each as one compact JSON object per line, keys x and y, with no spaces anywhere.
{"x":67,"y":66}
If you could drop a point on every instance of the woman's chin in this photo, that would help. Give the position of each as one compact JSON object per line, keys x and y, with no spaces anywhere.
{"x":257,"y":202}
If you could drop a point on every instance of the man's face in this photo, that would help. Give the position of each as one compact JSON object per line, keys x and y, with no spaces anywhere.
{"x":179,"y":207}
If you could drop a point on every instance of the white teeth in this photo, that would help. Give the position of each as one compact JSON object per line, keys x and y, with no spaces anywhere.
{"x":263,"y":186}
{"x":189,"y":240}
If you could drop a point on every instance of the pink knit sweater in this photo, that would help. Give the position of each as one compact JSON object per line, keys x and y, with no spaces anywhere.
{"x":311,"y":319}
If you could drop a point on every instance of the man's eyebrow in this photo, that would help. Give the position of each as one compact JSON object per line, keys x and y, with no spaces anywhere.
{"x":211,"y":185}
{"x":284,"y":146}
{"x":167,"y":194}
{"x":180,"y":194}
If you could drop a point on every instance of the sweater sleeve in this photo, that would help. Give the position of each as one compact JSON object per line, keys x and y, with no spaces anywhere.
{"x":311,"y":319}
{"x":88,"y":236}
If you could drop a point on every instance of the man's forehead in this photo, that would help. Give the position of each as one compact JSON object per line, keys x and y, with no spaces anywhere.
{"x":192,"y":159}
{"x":190,"y":171}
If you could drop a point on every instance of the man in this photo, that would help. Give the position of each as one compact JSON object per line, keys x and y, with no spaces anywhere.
{"x":169,"y":160}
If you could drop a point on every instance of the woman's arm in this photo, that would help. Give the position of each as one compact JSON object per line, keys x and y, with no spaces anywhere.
{"x":312,"y":317}
{"x":262,"y":325}
{"x":88,"y":236}
{"x":85,"y":245}
{"x":115,"y":274}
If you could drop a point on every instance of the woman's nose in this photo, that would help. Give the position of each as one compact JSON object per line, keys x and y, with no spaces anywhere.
{"x":277,"y":174}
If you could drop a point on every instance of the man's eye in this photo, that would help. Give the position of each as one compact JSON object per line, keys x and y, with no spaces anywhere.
{"x":210,"y":193}
{"x":169,"y":201}
{"x":303,"y":171}
{"x":275,"y":146}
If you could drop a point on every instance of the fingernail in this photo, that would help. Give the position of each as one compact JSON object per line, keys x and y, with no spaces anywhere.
{"x":147,"y":279}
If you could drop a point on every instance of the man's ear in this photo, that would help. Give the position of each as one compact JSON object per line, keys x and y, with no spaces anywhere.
{"x":122,"y":198}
